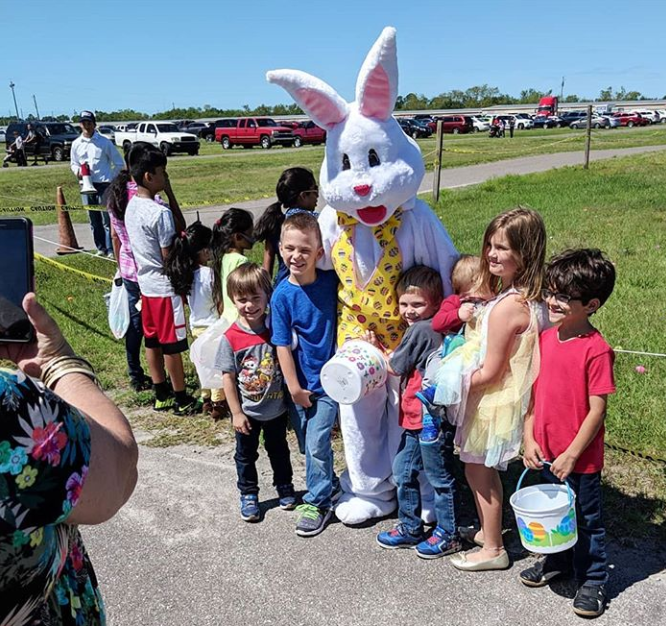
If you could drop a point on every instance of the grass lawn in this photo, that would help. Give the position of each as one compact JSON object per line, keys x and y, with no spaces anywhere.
{"x":618,"y":205}
{"x":223,"y":177}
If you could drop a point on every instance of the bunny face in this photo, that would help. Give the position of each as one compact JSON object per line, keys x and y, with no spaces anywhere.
{"x":371,"y":167}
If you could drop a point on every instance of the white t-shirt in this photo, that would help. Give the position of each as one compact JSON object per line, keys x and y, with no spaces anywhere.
{"x":203,"y":311}
{"x":150,"y":228}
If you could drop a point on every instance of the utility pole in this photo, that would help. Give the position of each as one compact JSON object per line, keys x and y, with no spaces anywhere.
{"x":11,"y":86}
{"x":34,"y":99}
{"x":562,"y":90}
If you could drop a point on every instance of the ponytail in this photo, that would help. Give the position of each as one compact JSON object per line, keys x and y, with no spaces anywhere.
{"x":117,"y":195}
{"x":181,"y":262}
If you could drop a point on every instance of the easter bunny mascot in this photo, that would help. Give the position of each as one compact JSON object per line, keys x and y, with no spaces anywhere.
{"x":373,"y":228}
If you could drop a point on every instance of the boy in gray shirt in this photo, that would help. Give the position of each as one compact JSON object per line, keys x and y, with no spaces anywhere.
{"x":254,"y":387}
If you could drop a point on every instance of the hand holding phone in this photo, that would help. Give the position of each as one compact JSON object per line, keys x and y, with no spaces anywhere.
{"x":16,"y":279}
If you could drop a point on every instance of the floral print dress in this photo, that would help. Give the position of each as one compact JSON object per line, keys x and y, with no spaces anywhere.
{"x":46,"y":577}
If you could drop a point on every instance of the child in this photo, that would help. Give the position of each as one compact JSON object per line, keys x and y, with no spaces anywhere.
{"x":420,"y":293}
{"x":566,"y":422}
{"x":458,"y":309}
{"x":187,"y":269}
{"x":306,"y":304}
{"x":16,"y":151}
{"x":150,"y":227}
{"x":232,"y":236}
{"x":121,"y":191}
{"x":296,"y":190}
{"x":255,"y":389}
{"x":490,"y":434}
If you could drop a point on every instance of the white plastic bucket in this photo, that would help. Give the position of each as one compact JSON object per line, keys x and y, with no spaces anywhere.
{"x":546,"y":516}
{"x":355,"y":370}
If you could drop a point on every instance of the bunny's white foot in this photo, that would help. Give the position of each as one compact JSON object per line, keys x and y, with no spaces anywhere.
{"x":353,"y":509}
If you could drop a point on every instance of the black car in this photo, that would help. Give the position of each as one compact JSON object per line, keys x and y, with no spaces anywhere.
{"x":208,"y":133}
{"x":546,"y":121}
{"x":196,"y":128}
{"x":416,"y":129}
{"x":55,"y":139}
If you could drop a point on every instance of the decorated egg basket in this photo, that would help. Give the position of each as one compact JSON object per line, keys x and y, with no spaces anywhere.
{"x":546,"y":516}
{"x":355,"y":370}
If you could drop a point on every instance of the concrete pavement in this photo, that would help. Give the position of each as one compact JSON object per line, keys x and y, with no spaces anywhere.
{"x":179,"y":554}
{"x":450,"y":178}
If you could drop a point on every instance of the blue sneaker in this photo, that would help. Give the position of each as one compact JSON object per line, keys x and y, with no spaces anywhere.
{"x":249,"y":504}
{"x":427,"y":395}
{"x":440,"y":543}
{"x":286,"y":497}
{"x":431,"y":428}
{"x":398,"y":537}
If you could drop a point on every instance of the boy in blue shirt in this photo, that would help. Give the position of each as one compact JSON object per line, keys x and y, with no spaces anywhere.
{"x":303,"y":318}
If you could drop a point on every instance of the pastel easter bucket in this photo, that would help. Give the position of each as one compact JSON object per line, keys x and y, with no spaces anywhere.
{"x":354,"y":371}
{"x":546,"y":516}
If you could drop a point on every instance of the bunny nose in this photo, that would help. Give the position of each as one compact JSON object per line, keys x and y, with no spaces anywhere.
{"x":363,"y":190}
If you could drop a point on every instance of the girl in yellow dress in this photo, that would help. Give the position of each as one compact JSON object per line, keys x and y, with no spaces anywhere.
{"x":498,"y":392}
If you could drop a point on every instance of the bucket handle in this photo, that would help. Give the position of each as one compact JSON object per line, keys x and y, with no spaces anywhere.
{"x":566,"y":482}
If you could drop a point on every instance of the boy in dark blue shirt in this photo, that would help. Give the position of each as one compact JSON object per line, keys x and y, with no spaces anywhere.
{"x":303,"y":318}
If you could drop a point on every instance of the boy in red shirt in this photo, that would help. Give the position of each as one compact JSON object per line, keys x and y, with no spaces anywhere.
{"x":565,"y":425}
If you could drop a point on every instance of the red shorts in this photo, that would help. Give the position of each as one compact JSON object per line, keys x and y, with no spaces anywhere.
{"x":164,"y":323}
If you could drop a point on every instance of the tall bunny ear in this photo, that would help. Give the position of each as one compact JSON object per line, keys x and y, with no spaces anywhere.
{"x":319,"y":100}
{"x":377,"y":84}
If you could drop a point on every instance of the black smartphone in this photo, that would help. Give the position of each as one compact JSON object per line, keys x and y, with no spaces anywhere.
{"x":17,"y":277}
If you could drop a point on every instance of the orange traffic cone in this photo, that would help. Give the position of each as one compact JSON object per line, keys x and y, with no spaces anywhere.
{"x":66,"y":235}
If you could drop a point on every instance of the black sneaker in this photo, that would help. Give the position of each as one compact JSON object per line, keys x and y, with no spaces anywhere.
{"x":540,"y":574}
{"x":590,"y":600}
{"x":142,"y":383}
{"x":186,"y":407}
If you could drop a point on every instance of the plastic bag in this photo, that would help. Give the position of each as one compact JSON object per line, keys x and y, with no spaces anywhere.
{"x":204,"y":352}
{"x":119,"y":311}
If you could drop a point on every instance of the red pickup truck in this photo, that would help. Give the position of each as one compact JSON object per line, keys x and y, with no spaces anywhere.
{"x":254,"y":131}
{"x":308,"y":132}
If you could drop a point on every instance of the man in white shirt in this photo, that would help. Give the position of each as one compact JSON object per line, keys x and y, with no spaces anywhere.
{"x":105,"y":163}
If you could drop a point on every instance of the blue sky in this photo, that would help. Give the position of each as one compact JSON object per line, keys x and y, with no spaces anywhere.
{"x":147,"y":55}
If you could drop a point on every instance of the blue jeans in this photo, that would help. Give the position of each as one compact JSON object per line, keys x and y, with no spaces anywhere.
{"x":100,"y":224}
{"x":313,"y":426}
{"x":277,"y":448}
{"x":134,"y":334}
{"x":436,"y":461}
{"x":588,"y":556}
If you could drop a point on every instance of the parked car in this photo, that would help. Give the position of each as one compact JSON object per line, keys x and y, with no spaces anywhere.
{"x":3,"y":136}
{"x":598,"y":121}
{"x":56,"y":138}
{"x":457,"y":124}
{"x":543,"y":121}
{"x":164,"y":135}
{"x":108,"y":131}
{"x":307,"y":132}
{"x":208,"y":133}
{"x":569,"y":117}
{"x":523,"y":121}
{"x":653,"y":116}
{"x":416,"y":129}
{"x":255,"y":131}
{"x":194,"y":127}
{"x":631,"y":119}
{"x":480,"y":124}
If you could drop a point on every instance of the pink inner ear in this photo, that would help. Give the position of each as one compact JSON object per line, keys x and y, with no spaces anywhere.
{"x":321,"y":107}
{"x":376,"y":94}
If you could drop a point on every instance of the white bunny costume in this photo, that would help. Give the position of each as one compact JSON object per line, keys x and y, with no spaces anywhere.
{"x":373,"y":228}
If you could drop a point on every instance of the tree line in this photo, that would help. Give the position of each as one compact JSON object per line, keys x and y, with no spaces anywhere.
{"x":480,"y":96}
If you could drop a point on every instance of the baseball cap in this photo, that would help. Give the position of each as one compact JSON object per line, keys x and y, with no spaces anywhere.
{"x":87,"y":115}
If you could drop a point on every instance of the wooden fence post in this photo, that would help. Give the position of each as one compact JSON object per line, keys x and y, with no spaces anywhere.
{"x":438,"y":162}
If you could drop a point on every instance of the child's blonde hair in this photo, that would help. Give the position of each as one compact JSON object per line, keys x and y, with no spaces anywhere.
{"x":303,"y":222}
{"x":526,"y":234}
{"x":248,"y":279}
{"x":466,"y":272}
{"x":421,"y":278}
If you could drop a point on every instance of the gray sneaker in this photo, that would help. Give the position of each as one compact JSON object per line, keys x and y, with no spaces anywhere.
{"x":312,"y":520}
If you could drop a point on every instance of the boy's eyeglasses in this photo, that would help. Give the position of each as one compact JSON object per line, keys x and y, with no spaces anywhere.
{"x":562,"y":298}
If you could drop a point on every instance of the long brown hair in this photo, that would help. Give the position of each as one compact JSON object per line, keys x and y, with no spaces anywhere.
{"x":526,"y":233}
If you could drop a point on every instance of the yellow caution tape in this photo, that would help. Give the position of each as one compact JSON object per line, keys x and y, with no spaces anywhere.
{"x":45,"y":208}
{"x":73,"y":270}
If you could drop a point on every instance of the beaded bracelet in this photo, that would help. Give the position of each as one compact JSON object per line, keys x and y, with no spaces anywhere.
{"x":63,"y":365}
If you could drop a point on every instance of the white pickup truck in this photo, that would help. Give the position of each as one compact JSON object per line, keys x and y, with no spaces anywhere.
{"x":164,"y":135}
